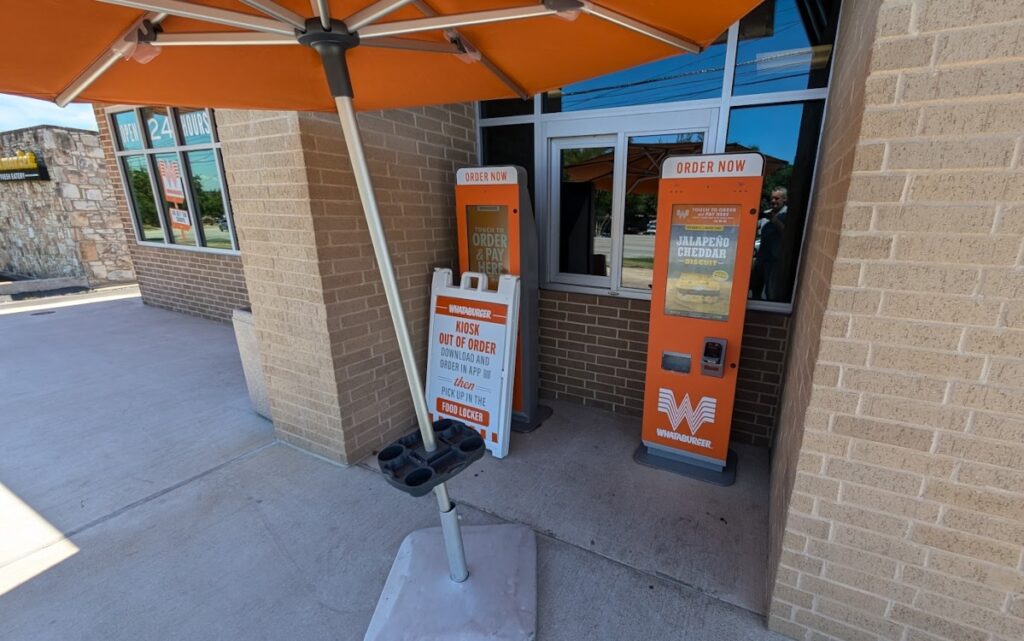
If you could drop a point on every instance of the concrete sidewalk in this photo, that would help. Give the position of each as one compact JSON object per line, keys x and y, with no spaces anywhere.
{"x":141,"y":498}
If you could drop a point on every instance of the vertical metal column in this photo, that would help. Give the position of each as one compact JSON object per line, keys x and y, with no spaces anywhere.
{"x":449,"y":517}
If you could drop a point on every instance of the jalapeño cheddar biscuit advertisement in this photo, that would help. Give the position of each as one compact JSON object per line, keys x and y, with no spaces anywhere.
{"x":702,"y":260}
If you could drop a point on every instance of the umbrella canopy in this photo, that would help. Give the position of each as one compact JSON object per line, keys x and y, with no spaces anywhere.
{"x":48,"y":43}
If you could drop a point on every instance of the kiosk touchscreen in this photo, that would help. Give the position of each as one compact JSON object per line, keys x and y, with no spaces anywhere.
{"x":497,"y":235}
{"x":707,"y":218}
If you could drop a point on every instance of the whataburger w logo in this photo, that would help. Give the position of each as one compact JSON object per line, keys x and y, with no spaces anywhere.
{"x":695,"y":416}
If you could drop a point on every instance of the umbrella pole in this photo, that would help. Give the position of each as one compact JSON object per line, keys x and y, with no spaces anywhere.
{"x":449,"y":517}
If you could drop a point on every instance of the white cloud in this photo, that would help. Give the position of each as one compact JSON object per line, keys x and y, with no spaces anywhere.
{"x":17,"y":112}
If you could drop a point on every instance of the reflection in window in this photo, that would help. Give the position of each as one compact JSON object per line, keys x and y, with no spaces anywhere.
{"x":585,"y":210}
{"x":644,"y":155}
{"x":785,"y":45}
{"x":140,"y":189}
{"x":171,"y":181}
{"x":159,"y":128}
{"x":510,"y":145}
{"x":787,"y":135}
{"x":506,"y":107}
{"x":209,"y":201}
{"x":682,"y":77}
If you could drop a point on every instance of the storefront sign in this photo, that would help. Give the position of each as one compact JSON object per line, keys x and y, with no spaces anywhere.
{"x":470,"y":362}
{"x":129,"y":134}
{"x":160,"y":129}
{"x":170,"y":177}
{"x":23,"y":165}
{"x":180,"y":219}
{"x":195,"y":124}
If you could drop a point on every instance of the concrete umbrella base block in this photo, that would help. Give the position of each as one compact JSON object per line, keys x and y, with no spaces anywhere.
{"x":497,"y":602}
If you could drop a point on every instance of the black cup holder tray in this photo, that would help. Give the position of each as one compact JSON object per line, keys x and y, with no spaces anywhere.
{"x":408,"y":466}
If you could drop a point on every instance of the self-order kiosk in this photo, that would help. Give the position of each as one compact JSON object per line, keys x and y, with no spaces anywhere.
{"x":707,"y":217}
{"x":497,"y":235}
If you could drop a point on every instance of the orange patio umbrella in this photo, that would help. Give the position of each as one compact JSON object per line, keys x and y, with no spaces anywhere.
{"x":267,"y":54}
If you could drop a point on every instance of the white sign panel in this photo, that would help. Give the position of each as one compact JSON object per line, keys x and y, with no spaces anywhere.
{"x":487,"y":176}
{"x":713,"y":166}
{"x":471,"y":362}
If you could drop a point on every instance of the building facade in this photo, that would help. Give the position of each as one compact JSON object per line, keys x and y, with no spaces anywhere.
{"x":56,"y":218}
{"x":884,"y":346}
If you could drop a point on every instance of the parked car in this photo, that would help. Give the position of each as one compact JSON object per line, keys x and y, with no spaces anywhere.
{"x":651,"y":228}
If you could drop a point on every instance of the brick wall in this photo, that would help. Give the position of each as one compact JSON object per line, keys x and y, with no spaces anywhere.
{"x":906,"y":519}
{"x":835,"y":163}
{"x":593,"y":350}
{"x":68,"y":226}
{"x":335,"y":379}
{"x":204,"y":284}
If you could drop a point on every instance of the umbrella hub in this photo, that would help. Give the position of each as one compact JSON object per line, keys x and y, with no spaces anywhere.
{"x":331,"y":44}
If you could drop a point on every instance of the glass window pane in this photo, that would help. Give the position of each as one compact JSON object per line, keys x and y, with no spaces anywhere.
{"x":207,"y":194}
{"x":682,"y":77}
{"x":644,"y":155}
{"x":129,"y":137}
{"x":506,"y":107}
{"x":585,"y":210}
{"x":785,"y":45}
{"x":171,"y":181}
{"x":195,"y":126}
{"x":159,"y":129}
{"x":140,"y":190}
{"x":510,"y":145}
{"x":787,"y":135}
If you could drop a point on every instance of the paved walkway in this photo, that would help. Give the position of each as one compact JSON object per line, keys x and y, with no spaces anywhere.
{"x":141,"y":498}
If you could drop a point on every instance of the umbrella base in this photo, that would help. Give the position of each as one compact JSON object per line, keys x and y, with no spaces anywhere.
{"x":497,"y":602}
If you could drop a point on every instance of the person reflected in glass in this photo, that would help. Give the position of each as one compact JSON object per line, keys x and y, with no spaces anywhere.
{"x":764,"y":275}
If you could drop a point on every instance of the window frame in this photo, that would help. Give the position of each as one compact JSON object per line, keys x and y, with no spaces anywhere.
{"x":180,"y":151}
{"x":618,"y":129}
{"x":724,"y":104}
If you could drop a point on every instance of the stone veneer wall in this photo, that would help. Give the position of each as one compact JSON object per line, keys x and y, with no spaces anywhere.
{"x":903,"y":440}
{"x":65,"y":227}
{"x":206,"y":284}
{"x":334,"y":376}
{"x":593,"y":350}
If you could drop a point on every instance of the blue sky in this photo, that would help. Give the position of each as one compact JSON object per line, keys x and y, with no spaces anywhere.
{"x":17,"y":112}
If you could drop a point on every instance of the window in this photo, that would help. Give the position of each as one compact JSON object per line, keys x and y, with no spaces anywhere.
{"x":595,"y":148}
{"x":171,"y":166}
{"x":787,"y":135}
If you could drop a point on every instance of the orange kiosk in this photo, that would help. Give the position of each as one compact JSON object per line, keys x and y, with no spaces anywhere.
{"x":707,"y":217}
{"x":497,"y":235}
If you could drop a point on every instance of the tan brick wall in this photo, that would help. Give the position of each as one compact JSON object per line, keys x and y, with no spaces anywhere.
{"x":335,"y":379}
{"x":593,"y":350}
{"x":199,"y":283}
{"x":903,"y":411}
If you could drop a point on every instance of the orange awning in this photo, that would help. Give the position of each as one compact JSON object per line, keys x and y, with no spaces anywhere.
{"x":47,"y":43}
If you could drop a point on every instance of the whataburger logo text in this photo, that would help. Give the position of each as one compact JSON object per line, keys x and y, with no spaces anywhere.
{"x":695,"y":416}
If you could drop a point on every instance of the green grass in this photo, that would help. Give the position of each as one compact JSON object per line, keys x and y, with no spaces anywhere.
{"x":642,"y":263}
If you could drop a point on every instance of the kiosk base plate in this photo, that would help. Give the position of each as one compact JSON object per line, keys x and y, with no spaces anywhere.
{"x":726,"y":477}
{"x":543,"y":413}
{"x":498,"y":602}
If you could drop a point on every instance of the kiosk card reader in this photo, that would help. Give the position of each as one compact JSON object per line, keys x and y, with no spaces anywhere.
{"x":704,"y":246}
{"x":497,"y":235}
